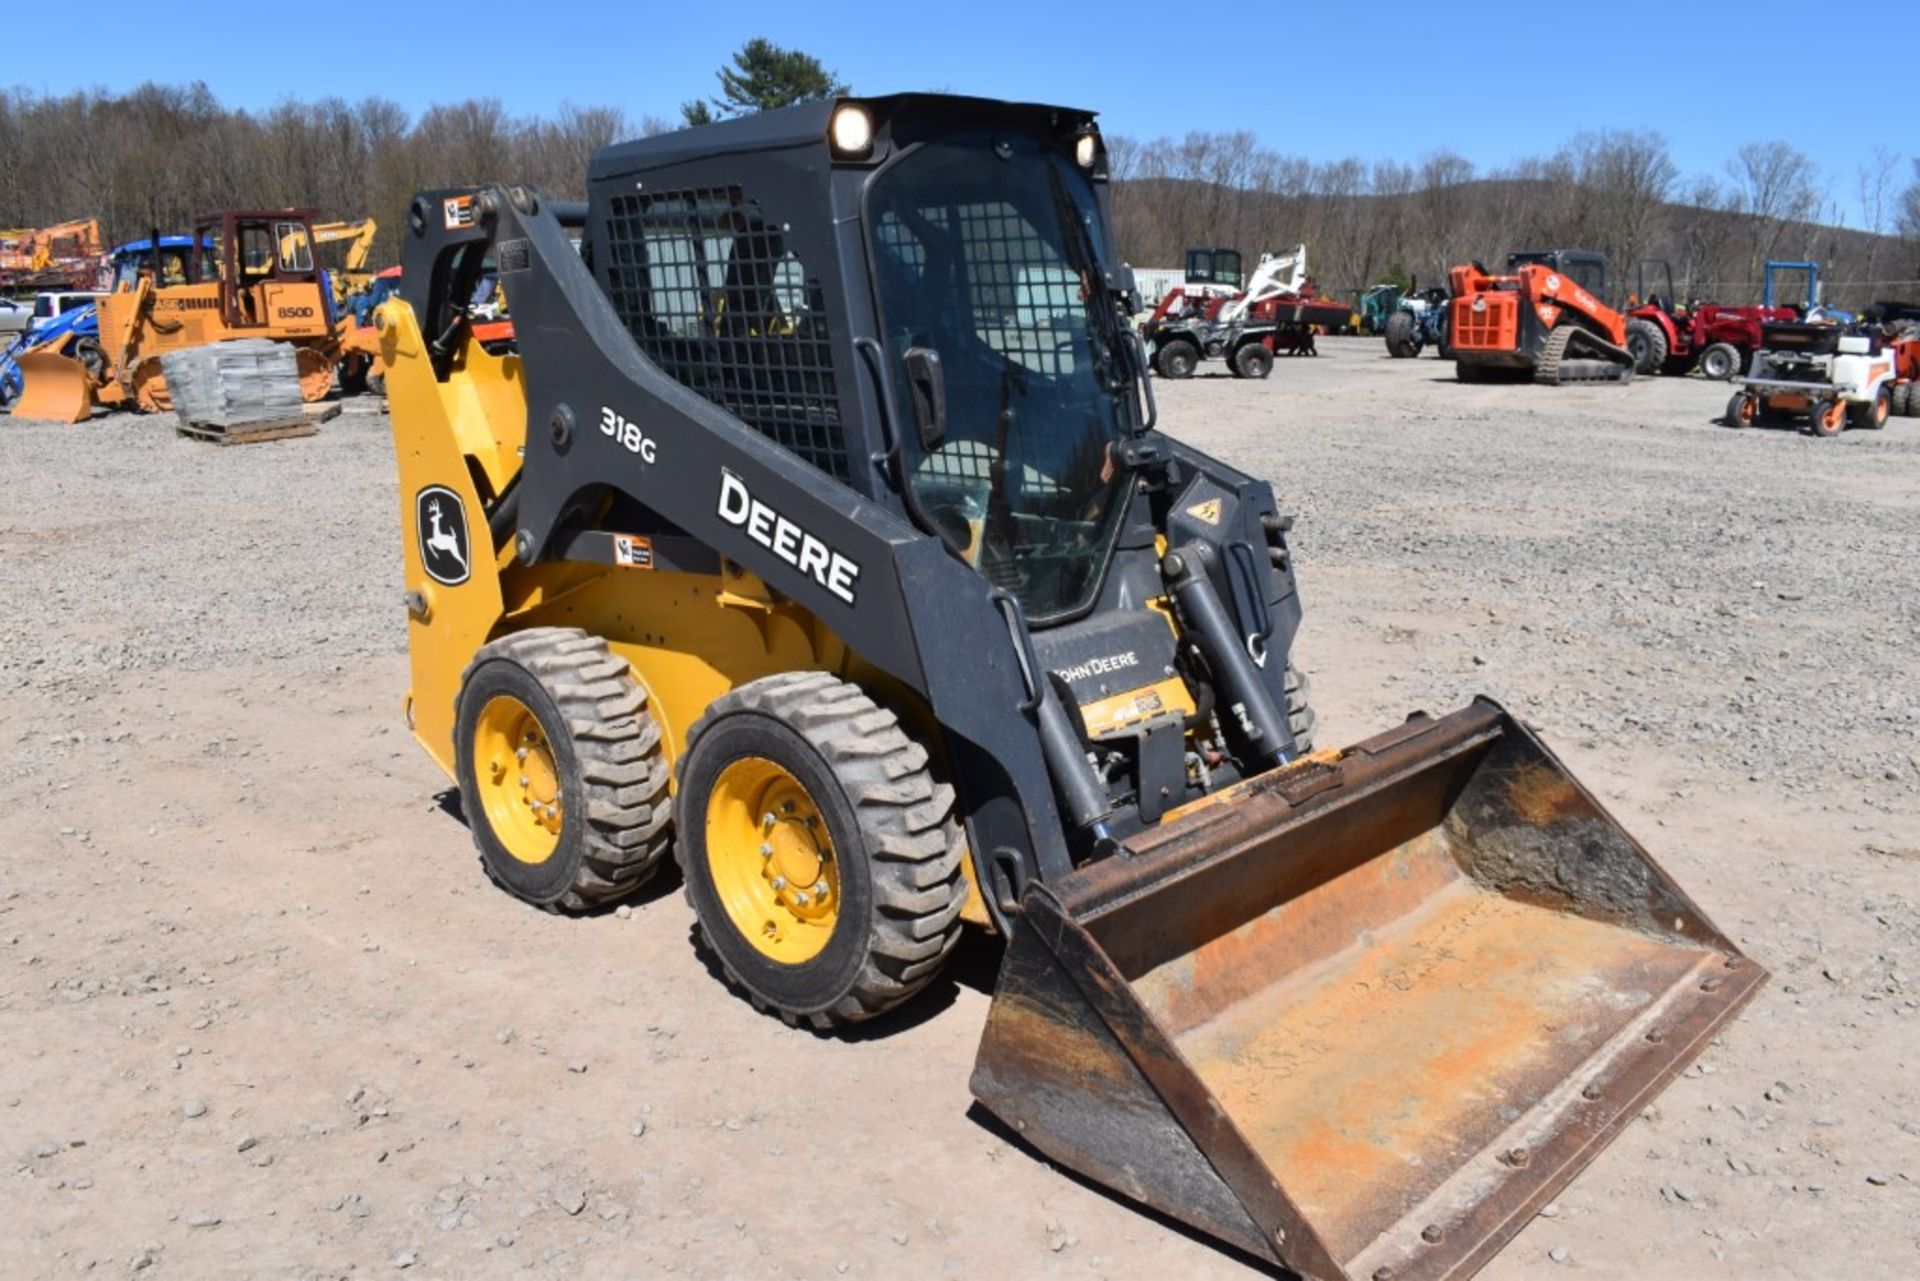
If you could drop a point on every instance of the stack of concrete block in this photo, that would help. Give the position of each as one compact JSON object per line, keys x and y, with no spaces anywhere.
{"x":232,"y":384}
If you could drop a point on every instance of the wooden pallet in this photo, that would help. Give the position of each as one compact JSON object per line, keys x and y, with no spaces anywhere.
{"x":292,"y":427}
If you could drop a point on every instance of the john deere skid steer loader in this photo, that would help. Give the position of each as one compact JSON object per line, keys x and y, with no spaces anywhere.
{"x":819,"y":531}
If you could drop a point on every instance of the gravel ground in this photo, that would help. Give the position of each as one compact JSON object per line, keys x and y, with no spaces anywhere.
{"x":263,"y":1015}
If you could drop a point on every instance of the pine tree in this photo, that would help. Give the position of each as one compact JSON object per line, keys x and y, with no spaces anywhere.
{"x":764,"y":76}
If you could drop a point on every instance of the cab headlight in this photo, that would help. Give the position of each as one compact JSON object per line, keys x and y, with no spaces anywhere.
{"x":851,"y":131}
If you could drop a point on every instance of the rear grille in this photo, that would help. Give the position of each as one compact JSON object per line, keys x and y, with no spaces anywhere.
{"x":1492,"y":327}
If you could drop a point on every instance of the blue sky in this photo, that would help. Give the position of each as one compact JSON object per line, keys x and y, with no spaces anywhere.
{"x":1305,"y":77}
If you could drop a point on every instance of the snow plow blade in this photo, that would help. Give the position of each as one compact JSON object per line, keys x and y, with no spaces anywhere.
{"x":1363,"y":1015}
{"x":57,"y":389}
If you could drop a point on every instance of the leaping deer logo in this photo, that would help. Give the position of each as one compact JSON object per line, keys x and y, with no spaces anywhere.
{"x":441,"y":539}
{"x":443,"y":535}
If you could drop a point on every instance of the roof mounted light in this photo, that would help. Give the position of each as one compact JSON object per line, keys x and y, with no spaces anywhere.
{"x":1086,"y":149}
{"x":851,"y":132}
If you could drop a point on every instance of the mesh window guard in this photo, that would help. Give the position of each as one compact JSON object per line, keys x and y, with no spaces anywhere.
{"x":709,"y":290}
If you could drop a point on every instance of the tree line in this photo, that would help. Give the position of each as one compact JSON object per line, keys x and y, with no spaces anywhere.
{"x":160,"y":155}
{"x":1614,"y":190}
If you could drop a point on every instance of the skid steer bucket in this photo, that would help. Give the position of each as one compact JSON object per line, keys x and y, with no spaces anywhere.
{"x":1364,"y":1015}
{"x":57,"y":389}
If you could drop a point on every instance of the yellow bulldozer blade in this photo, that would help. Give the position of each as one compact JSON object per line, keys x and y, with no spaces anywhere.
{"x":58,"y":389}
{"x":1362,"y":1016}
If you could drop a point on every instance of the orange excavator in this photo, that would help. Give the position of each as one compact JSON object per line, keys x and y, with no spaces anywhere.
{"x":255,"y":277}
{"x":1547,"y":319}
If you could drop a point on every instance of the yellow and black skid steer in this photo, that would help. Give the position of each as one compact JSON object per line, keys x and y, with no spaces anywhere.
{"x":818,"y":529}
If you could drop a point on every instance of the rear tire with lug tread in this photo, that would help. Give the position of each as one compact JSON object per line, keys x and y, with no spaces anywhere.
{"x":1901,"y":401}
{"x":890,"y":835}
{"x":575,"y":706}
{"x":1648,"y":343}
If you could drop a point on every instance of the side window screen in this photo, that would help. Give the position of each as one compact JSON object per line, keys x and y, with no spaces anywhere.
{"x":710,"y":292}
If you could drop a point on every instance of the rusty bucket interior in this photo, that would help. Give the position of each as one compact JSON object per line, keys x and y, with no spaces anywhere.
{"x":56,"y":388}
{"x":1363,"y":1013}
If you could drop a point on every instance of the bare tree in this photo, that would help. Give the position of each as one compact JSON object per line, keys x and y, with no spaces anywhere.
{"x":1875,"y":186}
{"x":1774,"y":186}
{"x":1441,"y":200}
{"x":1627,"y":176}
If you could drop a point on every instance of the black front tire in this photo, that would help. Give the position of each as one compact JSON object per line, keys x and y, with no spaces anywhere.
{"x":1720,"y":362}
{"x":895,"y":837}
{"x":1403,"y":337}
{"x":1253,"y":360}
{"x":1177,"y":359}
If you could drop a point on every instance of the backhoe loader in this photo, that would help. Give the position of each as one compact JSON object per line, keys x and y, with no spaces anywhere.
{"x":820,"y":536}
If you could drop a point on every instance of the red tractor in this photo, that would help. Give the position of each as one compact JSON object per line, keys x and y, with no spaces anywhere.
{"x":1667,"y":337}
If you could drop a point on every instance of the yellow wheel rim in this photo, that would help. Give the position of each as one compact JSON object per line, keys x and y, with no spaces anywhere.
{"x":518,"y":783}
{"x":772,"y":861}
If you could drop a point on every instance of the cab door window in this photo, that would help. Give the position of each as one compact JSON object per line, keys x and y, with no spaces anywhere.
{"x":296,"y":249}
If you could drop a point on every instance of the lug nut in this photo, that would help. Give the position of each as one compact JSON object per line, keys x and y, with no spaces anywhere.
{"x":766,"y":849}
{"x":519,"y":753}
{"x":820,"y":888}
{"x":779,"y":882}
{"x":523,"y":780}
{"x":767,"y":819}
{"x":800,"y":899}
